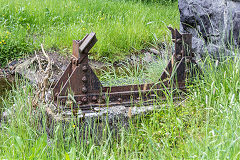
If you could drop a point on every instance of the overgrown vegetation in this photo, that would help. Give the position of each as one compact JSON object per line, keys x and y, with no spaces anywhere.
{"x":122,"y":26}
{"x":204,"y":126}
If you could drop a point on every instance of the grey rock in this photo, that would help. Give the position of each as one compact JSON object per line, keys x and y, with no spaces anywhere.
{"x":6,"y":115}
{"x":202,"y":18}
{"x":148,"y":57}
{"x":109,"y":113}
{"x":217,"y":51}
{"x":25,"y":70}
{"x":214,"y":24}
{"x":154,"y":51}
{"x":115,"y":118}
{"x":28,"y":68}
{"x":198,"y":45}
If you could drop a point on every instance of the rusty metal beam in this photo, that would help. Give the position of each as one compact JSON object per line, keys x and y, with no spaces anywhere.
{"x":82,"y":84}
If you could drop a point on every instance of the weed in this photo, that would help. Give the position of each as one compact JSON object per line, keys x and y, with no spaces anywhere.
{"x":206,"y":125}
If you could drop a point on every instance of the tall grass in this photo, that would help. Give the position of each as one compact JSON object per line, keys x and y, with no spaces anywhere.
{"x":204,"y":126}
{"x":121,"y":26}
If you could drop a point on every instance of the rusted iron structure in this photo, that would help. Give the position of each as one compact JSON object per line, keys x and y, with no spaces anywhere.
{"x":80,"y":87}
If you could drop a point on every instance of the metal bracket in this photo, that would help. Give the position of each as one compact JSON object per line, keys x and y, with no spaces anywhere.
{"x":82,"y":88}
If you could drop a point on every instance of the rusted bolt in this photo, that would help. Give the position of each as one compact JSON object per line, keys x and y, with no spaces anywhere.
{"x":84,"y":79}
{"x":79,"y":102}
{"x":179,"y":56}
{"x":84,"y":89}
{"x":84,"y":99}
{"x":120,"y":100}
{"x":63,"y":100}
{"x":94,"y":98}
{"x":84,"y":68}
{"x":75,"y":61}
{"x":103,"y":98}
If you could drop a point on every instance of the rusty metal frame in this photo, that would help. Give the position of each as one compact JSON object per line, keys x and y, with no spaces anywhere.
{"x":87,"y":92}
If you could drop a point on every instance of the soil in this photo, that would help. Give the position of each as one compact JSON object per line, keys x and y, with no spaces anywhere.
{"x":60,"y":63}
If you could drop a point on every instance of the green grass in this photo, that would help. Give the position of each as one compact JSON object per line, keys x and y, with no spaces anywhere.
{"x":205,"y":126}
{"x":122,"y":26}
{"x":134,"y":72}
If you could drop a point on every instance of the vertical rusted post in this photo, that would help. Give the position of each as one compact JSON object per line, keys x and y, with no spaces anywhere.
{"x":187,"y":45}
{"x":177,"y":66}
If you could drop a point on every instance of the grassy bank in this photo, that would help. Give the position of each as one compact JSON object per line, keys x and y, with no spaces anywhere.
{"x":121,"y":26}
{"x":205,"y":126}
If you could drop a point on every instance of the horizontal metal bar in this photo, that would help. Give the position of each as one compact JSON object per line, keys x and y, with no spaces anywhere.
{"x":91,"y":106}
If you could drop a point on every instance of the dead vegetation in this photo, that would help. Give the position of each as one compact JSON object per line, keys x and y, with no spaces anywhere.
{"x":43,"y":76}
